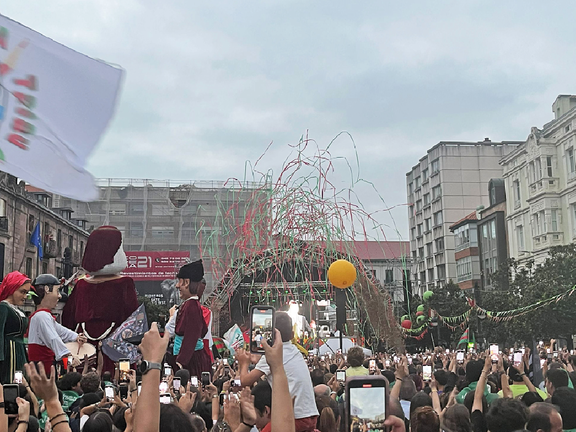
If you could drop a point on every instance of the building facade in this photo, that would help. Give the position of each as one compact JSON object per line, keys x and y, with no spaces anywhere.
{"x":447,"y":184}
{"x":540,"y":182}
{"x":466,"y":252}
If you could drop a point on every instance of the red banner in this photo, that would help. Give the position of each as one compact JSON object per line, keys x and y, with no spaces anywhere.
{"x":148,"y":266}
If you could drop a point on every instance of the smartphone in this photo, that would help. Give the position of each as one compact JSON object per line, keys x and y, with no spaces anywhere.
{"x":409,"y":359}
{"x":517,"y":358}
{"x":139,"y":388}
{"x":542,"y":362}
{"x":109,"y":392}
{"x":322,"y":358}
{"x":366,"y":402}
{"x":261,"y":327}
{"x":555,"y":355}
{"x":205,"y":378}
{"x":387,"y":363}
{"x":123,"y":391}
{"x":447,"y":351}
{"x":494,"y":351}
{"x":176,"y":383}
{"x":372,"y":365}
{"x":163,"y":388}
{"x":124,"y":368}
{"x":237,"y":382}
{"x":167,"y":369}
{"x":165,"y":398}
{"x":18,"y":377}
{"x":340,"y":375}
{"x":460,"y":356}
{"x":10,"y":395}
{"x":194,"y":381}
{"x":427,"y":373}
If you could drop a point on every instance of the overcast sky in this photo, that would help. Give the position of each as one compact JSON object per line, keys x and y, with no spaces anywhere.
{"x":210,"y":84}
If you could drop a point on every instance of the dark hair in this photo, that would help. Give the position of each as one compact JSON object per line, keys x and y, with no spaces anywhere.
{"x":469,"y":401}
{"x":539,"y":417}
{"x":420,"y":399}
{"x":557,"y":377}
{"x":71,"y":379}
{"x":333,"y":368}
{"x":514,"y":374}
{"x":100,"y":421}
{"x":407,"y":389}
{"x":565,"y":399}
{"x":40,"y":293}
{"x":107,"y":376}
{"x":530,"y":398}
{"x":424,"y":419}
{"x":317,"y":377}
{"x":198,"y":423}
{"x":328,"y":409}
{"x":506,"y":415}
{"x":283,"y":323}
{"x":441,"y":377}
{"x":118,"y":418}
{"x":474,"y":370}
{"x":262,"y":393}
{"x":184,"y":376}
{"x":173,"y":419}
{"x":89,"y":399}
{"x":355,"y":356}
{"x":33,"y":425}
{"x":90,"y":383}
{"x":456,"y":419}
{"x":389,"y":375}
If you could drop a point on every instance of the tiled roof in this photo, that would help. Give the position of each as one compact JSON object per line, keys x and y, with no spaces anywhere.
{"x":470,"y":217}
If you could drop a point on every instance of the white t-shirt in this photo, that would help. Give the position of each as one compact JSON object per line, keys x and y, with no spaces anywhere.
{"x":45,"y":331}
{"x":299,"y":381}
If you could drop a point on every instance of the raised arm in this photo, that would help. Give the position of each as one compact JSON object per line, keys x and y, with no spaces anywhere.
{"x":400,"y":374}
{"x":479,"y":393}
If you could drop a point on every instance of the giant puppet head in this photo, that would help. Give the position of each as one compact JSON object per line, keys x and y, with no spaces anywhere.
{"x":104,"y":254}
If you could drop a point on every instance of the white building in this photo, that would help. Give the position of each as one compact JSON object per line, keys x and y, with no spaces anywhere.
{"x":447,"y":184}
{"x":540,"y":181}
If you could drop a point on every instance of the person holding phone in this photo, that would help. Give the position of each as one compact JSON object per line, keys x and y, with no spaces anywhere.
{"x":13,"y":324}
{"x":299,"y":382}
{"x":190,"y":324}
{"x":46,"y":337}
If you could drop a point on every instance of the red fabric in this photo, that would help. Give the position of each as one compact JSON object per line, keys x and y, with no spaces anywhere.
{"x":267,"y":428}
{"x":41,"y":353}
{"x":191,"y":325}
{"x":101,"y":247}
{"x":207,"y":314}
{"x":99,"y":305}
{"x":11,"y":282}
{"x":307,"y":424}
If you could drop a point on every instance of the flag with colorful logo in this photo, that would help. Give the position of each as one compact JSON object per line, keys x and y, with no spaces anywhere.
{"x":219,"y":344}
{"x":234,"y":338}
{"x":464,"y":337}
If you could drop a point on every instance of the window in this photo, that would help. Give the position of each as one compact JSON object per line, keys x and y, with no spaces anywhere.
{"x":2,"y":208}
{"x":520,"y":238}
{"x":136,"y":229}
{"x":416,"y":183}
{"x":162,"y":232}
{"x":81,"y":248}
{"x":531,"y":174}
{"x":71,"y":243}
{"x":554,"y":219}
{"x":435,"y":166}
{"x":570,"y":160}
{"x":430,"y":275}
{"x":436,"y":192}
{"x":539,"y":220}
{"x":46,"y":230}
{"x":162,"y":210}
{"x":31,"y":221}
{"x":413,"y":233}
{"x":567,"y":128}
{"x":418,"y":206}
{"x":462,"y":237}
{"x":419,"y":230}
{"x":389,"y":276}
{"x":136,"y":209}
{"x":464,"y":269}
{"x":429,"y":251}
{"x":439,"y":245}
{"x":117,"y":209}
{"x":573,"y":220}
{"x":441,"y":270}
{"x":425,"y":175}
{"x":427,"y":224}
{"x":421,"y":252}
{"x":516,"y":187}
{"x":549,"y":165}
{"x":538,"y":169}
{"x":44,"y":267}
{"x":426,"y":199}
{"x":438,"y":218}
{"x":410,"y":188}
{"x":423,"y":277}
{"x":29,"y":267}
{"x":59,"y":240}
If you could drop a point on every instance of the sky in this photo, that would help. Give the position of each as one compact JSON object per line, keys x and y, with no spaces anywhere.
{"x":210,"y":85}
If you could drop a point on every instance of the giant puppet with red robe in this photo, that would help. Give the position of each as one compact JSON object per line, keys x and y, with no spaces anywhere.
{"x":105,"y":299}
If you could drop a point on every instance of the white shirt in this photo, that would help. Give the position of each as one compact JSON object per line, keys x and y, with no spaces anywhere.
{"x":299,"y":381}
{"x":171,"y":325}
{"x":45,"y":331}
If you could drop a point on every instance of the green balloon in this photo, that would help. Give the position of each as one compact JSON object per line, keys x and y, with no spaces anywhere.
{"x":427,"y":295}
{"x":421,"y":319}
{"x":420,"y":308}
{"x":405,"y":317}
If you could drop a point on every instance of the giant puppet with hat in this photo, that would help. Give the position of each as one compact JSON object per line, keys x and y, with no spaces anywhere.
{"x":100,"y":302}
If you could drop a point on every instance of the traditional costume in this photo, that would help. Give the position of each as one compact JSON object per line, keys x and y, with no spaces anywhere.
{"x":13,"y":325}
{"x":191,"y":327}
{"x":100,"y":303}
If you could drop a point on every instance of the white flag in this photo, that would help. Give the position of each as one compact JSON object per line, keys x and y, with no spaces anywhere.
{"x":54,"y":105}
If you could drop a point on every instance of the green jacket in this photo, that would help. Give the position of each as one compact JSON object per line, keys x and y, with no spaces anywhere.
{"x":490,"y":397}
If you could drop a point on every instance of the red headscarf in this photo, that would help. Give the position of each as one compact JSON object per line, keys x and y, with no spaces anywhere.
{"x":11,"y":282}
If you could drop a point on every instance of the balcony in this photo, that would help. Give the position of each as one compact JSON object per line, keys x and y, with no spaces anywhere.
{"x":464,"y":277}
{"x":4,"y":224}
{"x":548,"y":240}
{"x":544,"y":185}
{"x":439,"y":258}
{"x":50,"y":249}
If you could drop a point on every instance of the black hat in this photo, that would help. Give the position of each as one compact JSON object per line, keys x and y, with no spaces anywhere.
{"x":45,"y":279}
{"x":193,"y":271}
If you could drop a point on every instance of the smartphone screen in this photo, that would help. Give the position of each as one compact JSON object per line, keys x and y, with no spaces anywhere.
{"x":237,"y":382}
{"x":517,"y":358}
{"x":139,"y":388}
{"x":426,"y":373}
{"x":372,"y":365}
{"x":165,"y":398}
{"x":387,"y":363}
{"x":124,"y":368}
{"x":447,"y":351}
{"x":194,"y":381}
{"x":163,"y":387}
{"x":176,"y":383}
{"x":542,"y":362}
{"x":205,"y":378}
{"x":167,"y":370}
{"x":18,"y":377}
{"x":409,"y":359}
{"x":261,"y":327}
{"x":460,"y":356}
{"x":123,"y":390}
{"x":341,"y":375}
{"x":109,"y":392}
{"x":494,"y":351}
{"x":366,"y":400}
{"x":10,"y":395}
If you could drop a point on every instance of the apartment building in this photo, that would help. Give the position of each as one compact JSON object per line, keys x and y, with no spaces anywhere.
{"x":540,"y":182}
{"x":446,"y":185}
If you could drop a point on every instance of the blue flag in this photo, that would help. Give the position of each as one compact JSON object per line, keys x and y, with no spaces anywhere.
{"x":36,"y":240}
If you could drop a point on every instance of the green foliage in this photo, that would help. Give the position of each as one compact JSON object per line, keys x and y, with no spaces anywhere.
{"x":154,"y":312}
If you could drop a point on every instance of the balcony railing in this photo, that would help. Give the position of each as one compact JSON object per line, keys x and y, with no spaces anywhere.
{"x":548,"y":184}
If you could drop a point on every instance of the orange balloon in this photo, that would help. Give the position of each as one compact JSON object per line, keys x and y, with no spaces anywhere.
{"x":342,"y":274}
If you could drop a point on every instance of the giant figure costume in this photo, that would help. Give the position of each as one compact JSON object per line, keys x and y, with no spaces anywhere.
{"x":104,"y":300}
